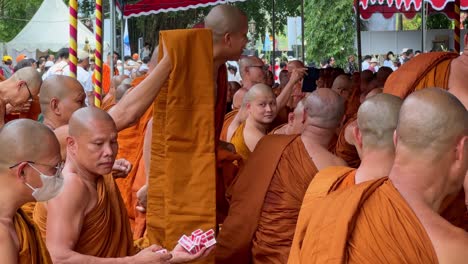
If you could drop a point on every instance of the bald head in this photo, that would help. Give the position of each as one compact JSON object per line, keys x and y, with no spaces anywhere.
{"x":224,"y":19}
{"x":31,"y":77}
{"x":26,"y":140}
{"x":374,"y":92}
{"x":324,"y":108}
{"x":295,"y":64}
{"x":117,"y":80}
{"x":431,"y":120}
{"x":84,"y":120}
{"x":246,"y":62}
{"x":343,"y":86}
{"x":256,"y":91}
{"x":59,"y":87}
{"x":377,"y":120}
{"x":121,"y":90}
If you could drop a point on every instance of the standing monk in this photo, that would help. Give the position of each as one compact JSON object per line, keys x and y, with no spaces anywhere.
{"x":395,"y":219}
{"x":87,"y":222}
{"x":252,"y":71}
{"x":30,"y":167}
{"x":268,"y":193}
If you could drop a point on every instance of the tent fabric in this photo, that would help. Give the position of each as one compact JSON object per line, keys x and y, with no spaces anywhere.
{"x":409,"y":8}
{"x":148,"y":7}
{"x":49,"y":29}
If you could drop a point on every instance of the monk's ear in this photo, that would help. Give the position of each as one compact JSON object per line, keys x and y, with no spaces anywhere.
{"x":227,"y":39}
{"x":395,"y":138}
{"x":19,"y":84}
{"x":357,"y":137}
{"x":71,"y":144}
{"x":54,"y":105}
{"x":304,"y":116}
{"x":462,"y":149}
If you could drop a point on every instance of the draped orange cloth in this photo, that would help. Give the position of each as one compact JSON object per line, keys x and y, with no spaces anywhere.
{"x":227,"y":122}
{"x":131,"y":142}
{"x":238,"y":141}
{"x":427,"y":70}
{"x":106,"y":231}
{"x":278,"y":128}
{"x":32,"y":249}
{"x":28,"y":208}
{"x":367,"y":223}
{"x":345,"y":150}
{"x":265,"y":203}
{"x":182,"y":182}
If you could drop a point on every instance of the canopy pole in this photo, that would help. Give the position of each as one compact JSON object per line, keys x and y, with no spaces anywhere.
{"x":112,"y":39}
{"x":73,"y":49}
{"x":423,"y":27}
{"x":273,"y":45}
{"x":358,"y":33}
{"x":122,"y":44}
{"x":98,"y":56}
{"x":456,"y":35}
{"x":302,"y":31}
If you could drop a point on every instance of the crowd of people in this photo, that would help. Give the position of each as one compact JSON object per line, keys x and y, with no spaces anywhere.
{"x":367,"y":167}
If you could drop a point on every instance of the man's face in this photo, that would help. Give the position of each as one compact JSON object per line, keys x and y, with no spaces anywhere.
{"x":256,"y":72}
{"x":51,"y":58}
{"x":115,"y":58}
{"x":263,"y":109}
{"x":73,"y":101}
{"x":238,"y":41}
{"x":96,"y":147}
{"x":85,"y":64}
{"x":8,"y":62}
{"x":332,"y":61}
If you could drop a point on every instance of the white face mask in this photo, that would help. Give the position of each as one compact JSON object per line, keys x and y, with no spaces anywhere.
{"x":51,"y":186}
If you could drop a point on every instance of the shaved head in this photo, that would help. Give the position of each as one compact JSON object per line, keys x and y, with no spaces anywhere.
{"x":324,"y":108}
{"x":374,"y":92}
{"x":377,"y":119}
{"x":431,"y":119}
{"x":224,"y":19}
{"x":246,"y":62}
{"x":85,"y":118}
{"x":26,"y":140}
{"x":31,"y":77}
{"x":257,"y":90}
{"x":343,"y":86}
{"x":121,"y":90}
{"x":295,"y":64}
{"x":58,"y":86}
{"x":382,"y":75}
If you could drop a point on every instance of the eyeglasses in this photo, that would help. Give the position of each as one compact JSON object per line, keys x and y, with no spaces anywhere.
{"x":29,"y":91}
{"x":262,"y":67}
{"x":58,"y":168}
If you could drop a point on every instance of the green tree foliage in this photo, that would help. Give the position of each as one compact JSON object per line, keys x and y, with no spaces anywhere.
{"x":439,"y":21}
{"x":329,"y":30}
{"x":14,"y":15}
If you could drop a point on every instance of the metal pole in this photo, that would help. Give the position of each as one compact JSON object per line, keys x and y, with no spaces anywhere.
{"x":273,"y":45}
{"x":112,"y":38}
{"x":302,"y":30}
{"x":122,"y":45}
{"x":358,"y":33}
{"x":423,"y":26}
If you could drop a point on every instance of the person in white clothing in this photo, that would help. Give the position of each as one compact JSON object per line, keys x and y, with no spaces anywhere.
{"x":83,"y":75}
{"x":60,"y":65}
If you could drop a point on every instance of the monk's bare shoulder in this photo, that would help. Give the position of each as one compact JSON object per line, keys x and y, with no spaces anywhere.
{"x":7,"y":246}
{"x":452,"y":246}
{"x":75,"y":194}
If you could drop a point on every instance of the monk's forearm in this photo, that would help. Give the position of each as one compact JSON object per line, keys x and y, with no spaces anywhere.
{"x":284,"y":96}
{"x":72,"y":257}
{"x":134,"y":105}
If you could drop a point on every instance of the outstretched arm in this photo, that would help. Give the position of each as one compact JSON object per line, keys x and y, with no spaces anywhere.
{"x":282,"y":99}
{"x":134,"y":105}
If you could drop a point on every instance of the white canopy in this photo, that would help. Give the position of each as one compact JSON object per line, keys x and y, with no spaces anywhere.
{"x":48,"y":29}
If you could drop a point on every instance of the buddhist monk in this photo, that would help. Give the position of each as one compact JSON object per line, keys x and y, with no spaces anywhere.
{"x":109,"y":100}
{"x":297,"y":93}
{"x":252,"y":71}
{"x":260,"y":104}
{"x":268,"y":193}
{"x":20,"y":88}
{"x":87,"y":221}
{"x":435,"y":69}
{"x":30,"y":167}
{"x":60,"y":96}
{"x":343,"y":86}
{"x":395,"y":219}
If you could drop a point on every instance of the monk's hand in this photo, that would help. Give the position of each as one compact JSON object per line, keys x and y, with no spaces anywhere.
{"x":166,"y":59}
{"x":121,"y":168}
{"x":25,"y":107}
{"x":180,"y":255}
{"x":150,"y":255}
{"x":297,"y":75}
{"x":227,"y":146}
{"x":142,"y":196}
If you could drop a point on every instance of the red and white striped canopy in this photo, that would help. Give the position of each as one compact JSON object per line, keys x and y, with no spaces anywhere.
{"x":148,"y":7}
{"x":408,"y":7}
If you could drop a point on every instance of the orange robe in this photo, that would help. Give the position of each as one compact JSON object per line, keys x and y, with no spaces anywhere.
{"x":345,"y":150}
{"x":238,"y":141}
{"x":424,"y":71}
{"x":131,"y":142}
{"x":353,"y":103}
{"x":106,"y":231}
{"x":265,"y":202}
{"x":32,"y":249}
{"x":182,"y":181}
{"x":338,"y":231}
{"x":227,"y":122}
